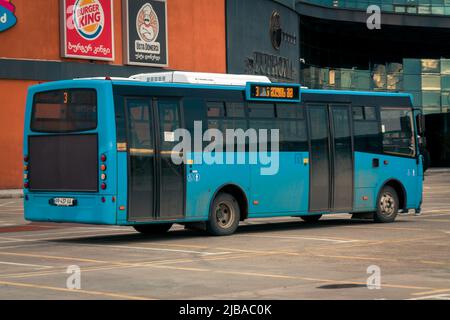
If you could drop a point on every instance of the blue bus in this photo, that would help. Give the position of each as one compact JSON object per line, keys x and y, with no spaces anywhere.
{"x":100,"y":151}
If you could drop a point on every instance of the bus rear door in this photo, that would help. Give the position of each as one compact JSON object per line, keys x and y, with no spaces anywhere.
{"x":156,"y":186}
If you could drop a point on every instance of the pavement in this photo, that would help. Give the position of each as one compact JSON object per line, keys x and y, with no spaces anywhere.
{"x":11,"y":194}
{"x":281,"y":258}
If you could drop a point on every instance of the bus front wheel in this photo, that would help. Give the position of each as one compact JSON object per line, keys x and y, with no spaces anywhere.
{"x":153,"y":228}
{"x":224,"y":215}
{"x":387,"y":205}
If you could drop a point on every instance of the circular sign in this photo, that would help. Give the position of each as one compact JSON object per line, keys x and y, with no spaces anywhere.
{"x":275,"y":30}
{"x":89,"y":18}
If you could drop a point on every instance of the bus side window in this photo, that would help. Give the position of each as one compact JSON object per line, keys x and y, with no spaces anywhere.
{"x":292,"y":125}
{"x":226,"y":115}
{"x":366,"y":129}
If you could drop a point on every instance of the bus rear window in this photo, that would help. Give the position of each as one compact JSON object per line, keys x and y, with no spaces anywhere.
{"x":64,"y":111}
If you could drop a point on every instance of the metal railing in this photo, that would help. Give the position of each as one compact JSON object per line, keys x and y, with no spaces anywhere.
{"x":430,"y":7}
{"x":428,"y":80}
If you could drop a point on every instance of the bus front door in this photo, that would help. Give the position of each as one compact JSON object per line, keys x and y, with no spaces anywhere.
{"x":156,"y":184}
{"x":331,"y":157}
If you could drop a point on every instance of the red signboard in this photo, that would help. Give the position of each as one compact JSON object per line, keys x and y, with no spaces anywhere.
{"x":88,"y":30}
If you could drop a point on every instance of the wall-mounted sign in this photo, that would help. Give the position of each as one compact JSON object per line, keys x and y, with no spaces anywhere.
{"x":7,"y":16}
{"x":264,"y":41}
{"x":87,"y":29}
{"x":145,"y":32}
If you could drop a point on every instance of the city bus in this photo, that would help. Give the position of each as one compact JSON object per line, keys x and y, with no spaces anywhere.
{"x":102,"y":150}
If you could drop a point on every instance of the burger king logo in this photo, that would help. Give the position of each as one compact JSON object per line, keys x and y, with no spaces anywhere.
{"x":88,"y":18}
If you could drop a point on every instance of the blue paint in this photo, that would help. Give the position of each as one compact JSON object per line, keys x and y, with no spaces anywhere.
{"x":369,"y":180}
{"x":7,"y":17}
{"x":283,"y":194}
{"x":90,"y":208}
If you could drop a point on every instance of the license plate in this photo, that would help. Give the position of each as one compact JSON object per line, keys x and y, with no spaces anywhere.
{"x":64,"y":202}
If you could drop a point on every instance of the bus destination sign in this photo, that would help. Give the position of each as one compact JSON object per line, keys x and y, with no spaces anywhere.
{"x":273,"y":92}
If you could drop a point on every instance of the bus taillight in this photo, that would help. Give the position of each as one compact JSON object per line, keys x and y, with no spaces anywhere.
{"x":26,"y":184}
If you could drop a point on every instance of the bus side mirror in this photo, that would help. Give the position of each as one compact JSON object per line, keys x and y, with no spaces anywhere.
{"x":420,"y":119}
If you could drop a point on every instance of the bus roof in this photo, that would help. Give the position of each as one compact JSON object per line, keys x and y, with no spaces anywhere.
{"x":242,"y":87}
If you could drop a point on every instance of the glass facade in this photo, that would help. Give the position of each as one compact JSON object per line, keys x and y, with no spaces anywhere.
{"x":433,"y":7}
{"x":428,"y":80}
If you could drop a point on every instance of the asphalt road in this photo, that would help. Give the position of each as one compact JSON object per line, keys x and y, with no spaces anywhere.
{"x":281,"y":258}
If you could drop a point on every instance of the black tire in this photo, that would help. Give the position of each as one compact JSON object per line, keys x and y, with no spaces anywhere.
{"x":310,"y":219}
{"x":150,"y":229}
{"x":224,"y":215}
{"x":387,"y":205}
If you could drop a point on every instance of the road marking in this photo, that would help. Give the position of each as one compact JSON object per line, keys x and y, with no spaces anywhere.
{"x":88,"y":292}
{"x":95,"y":232}
{"x":433,"y":262}
{"x":352,"y":257}
{"x":7,"y":203}
{"x":161,"y":249}
{"x":376,"y":227}
{"x":435,"y":220}
{"x":66,"y":238}
{"x":425,"y":215}
{"x":10,"y":239}
{"x":126,"y":265}
{"x":57,"y":257}
{"x":430,"y":292}
{"x":39,"y":266}
{"x":301,"y":238}
{"x":434,"y":297}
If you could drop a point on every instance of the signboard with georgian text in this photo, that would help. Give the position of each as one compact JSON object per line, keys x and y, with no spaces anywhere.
{"x":87,"y":29}
{"x":145,"y":32}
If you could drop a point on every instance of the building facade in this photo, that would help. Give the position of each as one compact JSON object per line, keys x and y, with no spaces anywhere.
{"x":31,"y":52}
{"x":320,"y":43}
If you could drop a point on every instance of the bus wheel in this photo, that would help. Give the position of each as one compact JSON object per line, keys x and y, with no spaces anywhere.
{"x":153,"y":228}
{"x":224,"y":216}
{"x":313,"y":218}
{"x":387,"y":205}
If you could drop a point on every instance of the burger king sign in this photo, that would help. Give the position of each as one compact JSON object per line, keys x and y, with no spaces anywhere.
{"x":88,"y":29}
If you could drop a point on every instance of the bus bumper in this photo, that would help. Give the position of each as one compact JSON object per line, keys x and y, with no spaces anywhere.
{"x":89,"y":209}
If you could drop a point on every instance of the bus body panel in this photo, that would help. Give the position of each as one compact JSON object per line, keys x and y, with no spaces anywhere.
{"x":204,"y":181}
{"x":370,"y":180}
{"x":285,"y":192}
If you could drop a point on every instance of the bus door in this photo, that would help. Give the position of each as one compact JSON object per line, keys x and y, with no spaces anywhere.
{"x":331,"y":157}
{"x":156,"y":184}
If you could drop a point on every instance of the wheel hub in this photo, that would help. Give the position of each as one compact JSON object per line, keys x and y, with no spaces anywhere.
{"x":387,"y":204}
{"x":224,"y":215}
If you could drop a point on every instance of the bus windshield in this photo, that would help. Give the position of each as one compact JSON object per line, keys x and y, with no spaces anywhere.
{"x":63,"y":111}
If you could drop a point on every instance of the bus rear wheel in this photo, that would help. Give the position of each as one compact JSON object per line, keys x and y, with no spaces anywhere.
{"x":150,"y":229}
{"x":387,"y":205}
{"x":224,"y":215}
{"x":313,"y":218}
